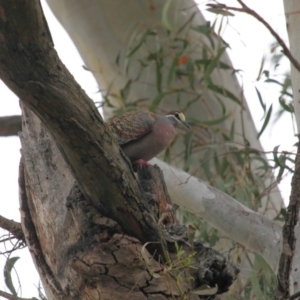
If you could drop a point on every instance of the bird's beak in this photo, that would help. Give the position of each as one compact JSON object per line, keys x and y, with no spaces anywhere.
{"x":186,"y":124}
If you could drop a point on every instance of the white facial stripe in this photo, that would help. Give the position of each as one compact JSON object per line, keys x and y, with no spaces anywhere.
{"x":181,"y":116}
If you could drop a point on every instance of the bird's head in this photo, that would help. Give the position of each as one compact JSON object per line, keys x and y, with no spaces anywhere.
{"x":177,"y":118}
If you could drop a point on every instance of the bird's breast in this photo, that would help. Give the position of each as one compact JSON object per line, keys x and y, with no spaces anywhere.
{"x":151,"y":144}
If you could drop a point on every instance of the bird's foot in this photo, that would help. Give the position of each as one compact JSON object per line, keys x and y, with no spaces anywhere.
{"x":139,"y":165}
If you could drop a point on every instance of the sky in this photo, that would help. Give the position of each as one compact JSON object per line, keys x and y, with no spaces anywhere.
{"x":249,"y":42}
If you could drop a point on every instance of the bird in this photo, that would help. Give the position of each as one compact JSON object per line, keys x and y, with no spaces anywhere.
{"x":142,"y":134}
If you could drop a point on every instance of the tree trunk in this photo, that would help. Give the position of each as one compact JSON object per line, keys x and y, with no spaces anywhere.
{"x":292,"y":9}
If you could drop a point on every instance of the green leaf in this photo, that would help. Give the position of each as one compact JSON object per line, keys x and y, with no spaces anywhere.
{"x":165,"y":19}
{"x":157,"y":100}
{"x":220,"y":11}
{"x":263,"y":105}
{"x":141,"y":42}
{"x":126,"y":90}
{"x":117,"y":61}
{"x":261,"y":68}
{"x":267,"y":119}
{"x":172,"y":70}
{"x":215,"y":121}
{"x":232,"y":131}
{"x":159,"y":77}
{"x":189,"y":21}
{"x":7,"y":274}
{"x":205,"y":290}
{"x":275,"y":155}
{"x":207,"y":31}
{"x":213,"y":64}
{"x":273,"y":81}
{"x":222,"y":91}
{"x":287,"y":107}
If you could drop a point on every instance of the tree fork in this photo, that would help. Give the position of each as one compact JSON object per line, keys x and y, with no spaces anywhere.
{"x":30,"y":67}
{"x":69,"y":241}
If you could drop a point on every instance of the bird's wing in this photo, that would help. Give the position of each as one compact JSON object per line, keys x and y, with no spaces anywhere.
{"x":131,"y":126}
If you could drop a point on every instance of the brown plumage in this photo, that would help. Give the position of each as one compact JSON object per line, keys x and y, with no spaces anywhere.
{"x":143,"y":135}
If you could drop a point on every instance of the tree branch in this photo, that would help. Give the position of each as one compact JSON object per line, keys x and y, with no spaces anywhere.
{"x":12,"y":297}
{"x":249,"y":11}
{"x":10,"y":125}
{"x":252,"y":230}
{"x":12,"y":227}
{"x":32,"y":69}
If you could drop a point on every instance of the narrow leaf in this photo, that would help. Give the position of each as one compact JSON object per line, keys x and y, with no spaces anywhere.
{"x":7,"y":274}
{"x":273,"y":81}
{"x":224,"y":92}
{"x":213,"y":122}
{"x":189,"y":21}
{"x":205,"y":290}
{"x":267,"y":119}
{"x":262,"y":63}
{"x":213,"y":64}
{"x":140,"y":43}
{"x":165,"y":19}
{"x":126,"y":90}
{"x":206,"y":30}
{"x":263,"y":105}
{"x":220,"y":11}
{"x":287,"y":107}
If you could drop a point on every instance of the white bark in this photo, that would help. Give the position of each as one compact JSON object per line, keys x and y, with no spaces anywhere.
{"x":103,"y":29}
{"x":252,"y":230}
{"x":292,"y":12}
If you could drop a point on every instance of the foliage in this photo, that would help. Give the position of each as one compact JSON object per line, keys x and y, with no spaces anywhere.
{"x":216,"y":150}
{"x":183,"y":71}
{"x":213,"y":150}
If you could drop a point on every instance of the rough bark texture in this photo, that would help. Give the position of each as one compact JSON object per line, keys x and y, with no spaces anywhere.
{"x":10,"y":125}
{"x":81,"y":254}
{"x":31,"y":68}
{"x":289,"y":236}
{"x":292,"y":9}
{"x":78,"y":235}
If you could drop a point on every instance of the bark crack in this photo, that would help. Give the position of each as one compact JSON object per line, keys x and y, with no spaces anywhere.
{"x":32,"y":238}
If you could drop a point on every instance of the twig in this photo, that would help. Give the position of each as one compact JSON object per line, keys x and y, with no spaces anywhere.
{"x":289,"y":238}
{"x":10,"y":125}
{"x":12,"y":227}
{"x":295,"y":296}
{"x":247,"y":10}
{"x":12,"y":297}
